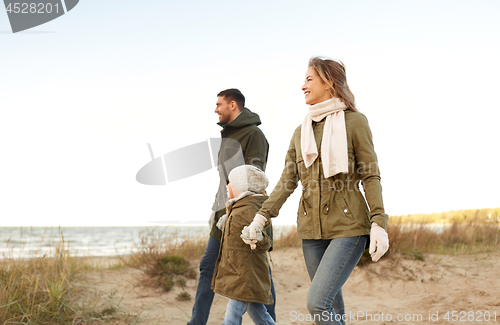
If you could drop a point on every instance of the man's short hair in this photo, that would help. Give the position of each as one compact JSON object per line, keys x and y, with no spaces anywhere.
{"x":233,"y":94}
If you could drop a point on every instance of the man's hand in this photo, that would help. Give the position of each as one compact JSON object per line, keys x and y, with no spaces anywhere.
{"x":211,"y":220}
{"x":379,"y":242}
{"x":221,"y":222}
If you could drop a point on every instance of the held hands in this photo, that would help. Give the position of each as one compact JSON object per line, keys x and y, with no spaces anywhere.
{"x":379,"y":242}
{"x":258,"y":223}
{"x":245,"y":235}
{"x":256,"y":226}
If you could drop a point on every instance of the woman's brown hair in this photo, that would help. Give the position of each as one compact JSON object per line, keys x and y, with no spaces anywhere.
{"x":333,"y":74}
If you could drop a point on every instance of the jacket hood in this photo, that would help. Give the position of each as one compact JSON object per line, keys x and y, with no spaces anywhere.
{"x":245,"y":118}
{"x":251,"y":200}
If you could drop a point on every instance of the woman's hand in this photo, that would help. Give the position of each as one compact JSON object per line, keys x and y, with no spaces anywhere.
{"x":379,"y":242}
{"x":252,"y":242}
{"x":259,"y":222}
{"x":255,"y":226}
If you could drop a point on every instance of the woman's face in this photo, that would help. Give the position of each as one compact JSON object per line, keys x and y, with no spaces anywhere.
{"x":315,"y":89}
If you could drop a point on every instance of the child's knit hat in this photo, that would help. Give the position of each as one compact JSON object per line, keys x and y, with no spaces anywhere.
{"x":248,"y":178}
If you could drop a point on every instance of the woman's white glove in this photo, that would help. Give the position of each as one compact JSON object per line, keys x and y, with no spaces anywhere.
{"x":221,"y":222}
{"x":211,"y":220}
{"x":245,"y":235}
{"x":259,"y":221}
{"x":379,"y":242}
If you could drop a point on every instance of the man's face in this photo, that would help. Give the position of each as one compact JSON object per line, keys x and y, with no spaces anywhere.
{"x":223,"y":109}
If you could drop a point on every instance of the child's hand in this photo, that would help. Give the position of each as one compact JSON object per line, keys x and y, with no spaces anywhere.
{"x":245,"y":235}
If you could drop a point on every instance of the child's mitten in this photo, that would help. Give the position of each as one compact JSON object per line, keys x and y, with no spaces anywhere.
{"x":245,"y":235}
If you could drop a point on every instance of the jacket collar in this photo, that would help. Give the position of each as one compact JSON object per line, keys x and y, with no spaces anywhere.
{"x":245,"y":118}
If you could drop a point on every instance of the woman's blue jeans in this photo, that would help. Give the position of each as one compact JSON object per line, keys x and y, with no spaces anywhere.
{"x":329,"y":264}
{"x":257,"y":312}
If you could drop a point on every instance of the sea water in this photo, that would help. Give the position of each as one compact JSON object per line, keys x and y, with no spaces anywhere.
{"x":30,"y":242}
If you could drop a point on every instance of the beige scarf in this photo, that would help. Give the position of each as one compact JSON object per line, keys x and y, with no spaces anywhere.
{"x":334,"y":141}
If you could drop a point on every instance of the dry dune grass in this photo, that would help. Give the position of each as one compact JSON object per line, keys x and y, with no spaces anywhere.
{"x":475,"y":236}
{"x":52,"y":290}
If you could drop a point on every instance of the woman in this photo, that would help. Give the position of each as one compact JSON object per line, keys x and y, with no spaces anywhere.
{"x":331,"y":153}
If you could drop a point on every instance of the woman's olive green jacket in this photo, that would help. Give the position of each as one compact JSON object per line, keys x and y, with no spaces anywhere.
{"x":333,"y":207}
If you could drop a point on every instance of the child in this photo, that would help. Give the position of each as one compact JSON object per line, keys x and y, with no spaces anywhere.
{"x":242,"y":273}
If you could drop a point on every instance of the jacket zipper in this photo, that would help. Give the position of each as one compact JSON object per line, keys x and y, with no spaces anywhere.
{"x":320,"y":187}
{"x":319,"y":202}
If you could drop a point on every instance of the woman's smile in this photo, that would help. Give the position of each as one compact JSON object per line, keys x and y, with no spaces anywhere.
{"x":314,"y":88}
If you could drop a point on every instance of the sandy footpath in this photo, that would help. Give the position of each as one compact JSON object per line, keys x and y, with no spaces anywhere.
{"x":392,"y":291}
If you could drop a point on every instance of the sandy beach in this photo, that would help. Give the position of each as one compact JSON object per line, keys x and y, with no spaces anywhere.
{"x":441,"y":289}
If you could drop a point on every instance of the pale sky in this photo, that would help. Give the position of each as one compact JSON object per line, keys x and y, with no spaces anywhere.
{"x":81,"y":96}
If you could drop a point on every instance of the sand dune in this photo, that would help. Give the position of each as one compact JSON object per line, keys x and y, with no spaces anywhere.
{"x":391,"y":291}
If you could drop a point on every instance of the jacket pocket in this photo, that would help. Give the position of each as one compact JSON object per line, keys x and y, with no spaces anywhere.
{"x":304,"y":210}
{"x":362,"y":213}
{"x":337,"y":215}
{"x":346,"y":211}
{"x":232,"y":263}
{"x":305,"y":173}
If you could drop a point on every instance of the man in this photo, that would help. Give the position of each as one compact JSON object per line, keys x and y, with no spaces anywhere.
{"x":242,"y":143}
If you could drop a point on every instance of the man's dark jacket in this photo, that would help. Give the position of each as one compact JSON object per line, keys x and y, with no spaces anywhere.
{"x":242,"y":143}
